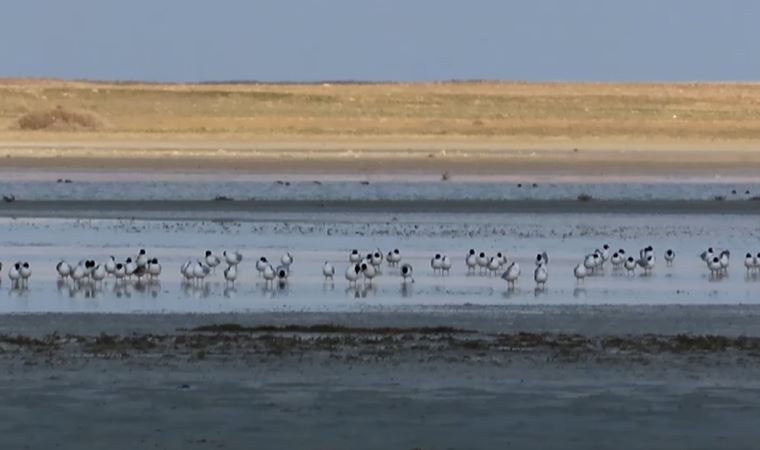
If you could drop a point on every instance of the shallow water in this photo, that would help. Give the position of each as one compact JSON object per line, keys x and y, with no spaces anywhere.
{"x":47,"y":185}
{"x":317,"y":238}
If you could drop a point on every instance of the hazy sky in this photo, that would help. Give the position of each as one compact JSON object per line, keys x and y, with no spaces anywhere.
{"x":195,"y":40}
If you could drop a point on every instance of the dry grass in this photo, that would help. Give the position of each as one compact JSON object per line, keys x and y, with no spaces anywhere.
{"x":488,"y":109}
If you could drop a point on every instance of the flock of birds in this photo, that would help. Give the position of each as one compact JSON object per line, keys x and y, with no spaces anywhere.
{"x":365,"y":267}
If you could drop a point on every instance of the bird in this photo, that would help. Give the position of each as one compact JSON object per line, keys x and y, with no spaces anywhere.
{"x":129,"y":267}
{"x":110,"y":265}
{"x":630,"y":264}
{"x":200,"y":271}
{"x":78,"y":273}
{"x":14,"y":273}
{"x":482,"y":261}
{"x":542,"y":259}
{"x":233,"y":258}
{"x":376,"y":259}
{"x":230,"y":275}
{"x":282,"y":274}
{"x":494,"y":264}
{"x":407,"y":272}
{"x":590,"y":262}
{"x":605,"y":253}
{"x":670,"y":256}
{"x":436,"y":262}
{"x":98,"y":273}
{"x":580,"y":272}
{"x":119,"y":271}
{"x":394,"y":258}
{"x":511,"y":274}
{"x":269,"y":274}
{"x":647,"y":263}
{"x":471,"y":260}
{"x":353,"y":273}
{"x":328,"y":270}
{"x":446,"y":264}
{"x":714,"y":266}
{"x":142,"y":258}
{"x":749,"y":262}
{"x":186,"y":270}
{"x":26,"y":272}
{"x":64,"y":269}
{"x":354,"y":257}
{"x":724,"y":259}
{"x":211,"y":260}
{"x":154,"y":268}
{"x":369,"y":272}
{"x":286,"y":261}
{"x":707,"y":255}
{"x":617,"y":260}
{"x":261,"y":264}
{"x":541,"y":275}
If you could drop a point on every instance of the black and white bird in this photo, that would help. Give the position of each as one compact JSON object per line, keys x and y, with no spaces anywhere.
{"x":407,"y":273}
{"x":511,"y":274}
{"x":670,"y":257}
{"x":211,"y":260}
{"x":542,"y":259}
{"x":233,"y":258}
{"x":353,"y":273}
{"x":64,"y":269}
{"x":230,"y":275}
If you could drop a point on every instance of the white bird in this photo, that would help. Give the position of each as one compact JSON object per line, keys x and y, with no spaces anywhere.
{"x":211,"y":259}
{"x":110,"y":265}
{"x":590,"y":262}
{"x":541,"y":275}
{"x":129,"y":267}
{"x":261,"y":264}
{"x":670,"y":256}
{"x":200,"y":271}
{"x":394,"y":258}
{"x":630,"y":264}
{"x":446,"y":264}
{"x":154,"y":268}
{"x":14,"y":273}
{"x":369,"y":272}
{"x":617,"y":260}
{"x":707,"y":255}
{"x":233,"y":258}
{"x":757,"y":262}
{"x":142,"y":258}
{"x":501,"y":258}
{"x":494,"y":264}
{"x":471,"y":260}
{"x":286,"y":261}
{"x":647,"y":263}
{"x":749,"y":262}
{"x":119,"y":271}
{"x":376,"y":259}
{"x":353,"y":272}
{"x":724,"y":256}
{"x":63,"y":268}
{"x":580,"y":272}
{"x":269,"y":273}
{"x":98,"y":273}
{"x":714,"y":265}
{"x":511,"y":274}
{"x":482,"y":261}
{"x":78,"y":273}
{"x":436,"y":263}
{"x":186,"y":270}
{"x":26,"y":272}
{"x":605,"y":253}
{"x":328,"y":270}
{"x":354,"y":257}
{"x":282,"y":274}
{"x":407,"y":272}
{"x":230,"y":275}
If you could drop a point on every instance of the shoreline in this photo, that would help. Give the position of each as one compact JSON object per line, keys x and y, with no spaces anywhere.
{"x":252,"y":210}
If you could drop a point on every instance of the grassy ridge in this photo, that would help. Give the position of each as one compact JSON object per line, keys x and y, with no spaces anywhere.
{"x":488,"y":109}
